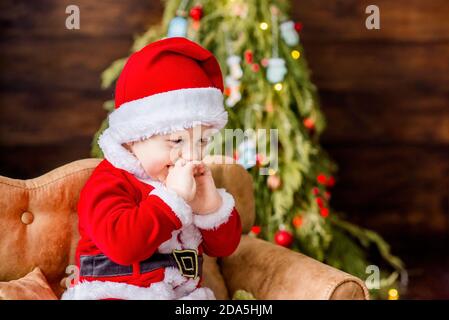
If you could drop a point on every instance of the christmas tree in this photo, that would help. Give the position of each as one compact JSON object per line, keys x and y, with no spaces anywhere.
{"x":267,"y":86}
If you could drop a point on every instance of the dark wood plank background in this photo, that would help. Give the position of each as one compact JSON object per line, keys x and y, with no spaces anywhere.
{"x":385,"y":94}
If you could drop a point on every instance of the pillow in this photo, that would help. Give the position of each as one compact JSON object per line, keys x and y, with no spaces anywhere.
{"x":33,"y":286}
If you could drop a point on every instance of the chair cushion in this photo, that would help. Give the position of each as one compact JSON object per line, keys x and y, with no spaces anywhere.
{"x":33,"y":286}
{"x":39,"y":222}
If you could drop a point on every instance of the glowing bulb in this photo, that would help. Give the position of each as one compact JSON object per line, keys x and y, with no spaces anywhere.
{"x":296,"y":54}
{"x":264,"y":26}
{"x":278,"y":86}
{"x":393,"y":294}
{"x":271,"y":171}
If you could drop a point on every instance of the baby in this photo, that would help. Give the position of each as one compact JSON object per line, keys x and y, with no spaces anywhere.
{"x":151,"y":209}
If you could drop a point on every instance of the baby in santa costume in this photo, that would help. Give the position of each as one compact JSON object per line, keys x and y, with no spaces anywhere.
{"x":150,"y":209}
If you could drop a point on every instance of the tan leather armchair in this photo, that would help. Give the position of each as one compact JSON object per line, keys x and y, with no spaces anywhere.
{"x":38,"y":228}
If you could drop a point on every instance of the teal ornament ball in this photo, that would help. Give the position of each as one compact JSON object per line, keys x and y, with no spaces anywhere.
{"x":276,"y":70}
{"x":289,"y":34}
{"x":247,"y":153}
{"x":177,"y":27}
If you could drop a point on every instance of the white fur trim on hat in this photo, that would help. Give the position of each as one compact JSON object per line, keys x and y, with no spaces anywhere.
{"x":161,"y":113}
{"x":178,"y":205}
{"x":214,"y":220}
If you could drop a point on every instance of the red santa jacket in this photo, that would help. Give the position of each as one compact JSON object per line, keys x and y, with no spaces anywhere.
{"x":128,"y":220}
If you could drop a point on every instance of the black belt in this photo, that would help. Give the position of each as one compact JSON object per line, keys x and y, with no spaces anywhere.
{"x":187,"y":261}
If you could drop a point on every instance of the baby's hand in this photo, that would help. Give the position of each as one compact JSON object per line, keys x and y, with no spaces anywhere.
{"x":180,"y":179}
{"x":207,"y":199}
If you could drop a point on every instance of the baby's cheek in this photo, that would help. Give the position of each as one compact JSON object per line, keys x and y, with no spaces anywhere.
{"x":156,"y":166}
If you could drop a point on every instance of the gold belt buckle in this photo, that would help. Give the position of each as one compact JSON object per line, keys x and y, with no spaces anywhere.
{"x":187,"y":261}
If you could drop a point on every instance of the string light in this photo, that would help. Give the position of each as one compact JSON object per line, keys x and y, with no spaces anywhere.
{"x":393,"y":294}
{"x":264,"y":26}
{"x":278,"y":86}
{"x":296,"y":54}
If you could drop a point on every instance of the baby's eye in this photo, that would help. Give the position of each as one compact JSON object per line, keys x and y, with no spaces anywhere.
{"x":179,"y":140}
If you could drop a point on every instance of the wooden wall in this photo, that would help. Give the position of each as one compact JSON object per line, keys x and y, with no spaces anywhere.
{"x":386,"y":97}
{"x":385,"y":94}
{"x":50,"y":96}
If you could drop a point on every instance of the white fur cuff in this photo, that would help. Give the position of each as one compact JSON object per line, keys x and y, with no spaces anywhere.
{"x":179,"y":206}
{"x":215,"y":219}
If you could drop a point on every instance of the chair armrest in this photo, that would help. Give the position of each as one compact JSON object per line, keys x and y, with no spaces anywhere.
{"x":272,"y":272}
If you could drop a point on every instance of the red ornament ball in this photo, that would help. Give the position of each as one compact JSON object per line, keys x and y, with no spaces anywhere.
{"x":320,"y":202}
{"x":248,"y":56}
{"x":260,"y":159}
{"x":321,"y":178}
{"x":316,"y":191}
{"x":331,"y":182}
{"x":309,"y":123}
{"x":255,"y":67}
{"x":255,"y":229}
{"x":264,"y":62}
{"x":324,"y":212}
{"x":298,"y":26}
{"x":283,"y":238}
{"x":196,"y":13}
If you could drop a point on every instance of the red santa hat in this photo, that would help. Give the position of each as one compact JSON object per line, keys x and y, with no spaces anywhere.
{"x":169,"y":85}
